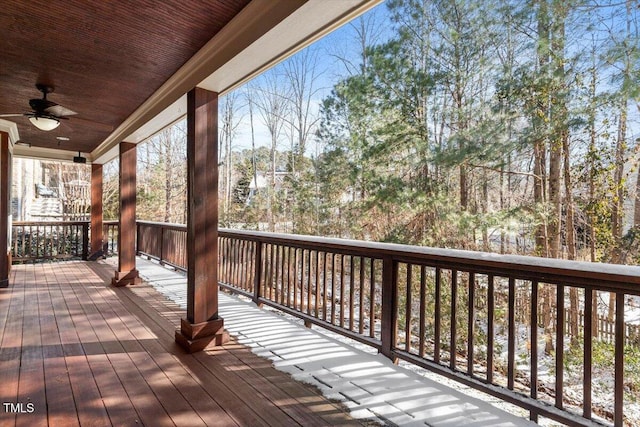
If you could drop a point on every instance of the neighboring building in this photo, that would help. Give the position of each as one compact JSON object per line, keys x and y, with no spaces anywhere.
{"x":49,"y":191}
{"x":262,"y":183}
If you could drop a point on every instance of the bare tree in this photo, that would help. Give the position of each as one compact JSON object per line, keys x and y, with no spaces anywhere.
{"x":301,"y":72}
{"x":162,"y":185}
{"x":230,"y":120}
{"x":270,"y":102}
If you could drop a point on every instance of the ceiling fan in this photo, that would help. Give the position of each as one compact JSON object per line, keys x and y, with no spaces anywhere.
{"x":46,"y":114}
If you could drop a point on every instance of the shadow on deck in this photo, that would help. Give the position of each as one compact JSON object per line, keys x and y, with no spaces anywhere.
{"x":367,"y":383}
{"x":75,"y":351}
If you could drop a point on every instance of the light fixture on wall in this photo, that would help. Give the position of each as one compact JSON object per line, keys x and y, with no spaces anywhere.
{"x":44,"y":123}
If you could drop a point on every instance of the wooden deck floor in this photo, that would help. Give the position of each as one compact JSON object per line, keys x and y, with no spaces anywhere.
{"x":75,"y":351}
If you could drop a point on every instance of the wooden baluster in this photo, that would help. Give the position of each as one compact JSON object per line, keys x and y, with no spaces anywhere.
{"x":372,"y":299}
{"x":303,"y":277}
{"x":85,"y":241}
{"x":342,"y":302}
{"x":389,"y":304}
{"x":533,"y":380}
{"x":437,"y":320}
{"x":587,"y":352}
{"x":257,"y":271}
{"x":423,"y":298}
{"x":361,"y":304}
{"x":317,"y":286}
{"x":453,"y":337}
{"x":333,"y":288}
{"x":618,"y":411}
{"x":351,"y":291}
{"x":308,"y":282}
{"x":559,"y":346}
{"x":324,"y":286}
{"x":490,"y":327}
{"x":407,"y":310}
{"x":290,"y":278}
{"x":471,"y":300}
{"x":273,"y":274}
{"x":511,"y":344}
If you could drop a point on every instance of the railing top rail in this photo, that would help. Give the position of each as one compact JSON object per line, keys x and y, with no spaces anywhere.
{"x":624,"y":277}
{"x":34,"y":223}
{"x":48,"y":223}
{"x":537,"y":268}
{"x":166,"y":225}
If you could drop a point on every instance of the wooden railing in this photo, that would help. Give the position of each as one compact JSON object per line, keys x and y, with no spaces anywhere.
{"x":36,"y":241}
{"x":110,"y":237}
{"x":481,"y":319}
{"x":32,"y":241}
{"x":164,"y":242}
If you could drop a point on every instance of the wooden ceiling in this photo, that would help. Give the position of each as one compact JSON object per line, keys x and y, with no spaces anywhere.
{"x":104,"y":58}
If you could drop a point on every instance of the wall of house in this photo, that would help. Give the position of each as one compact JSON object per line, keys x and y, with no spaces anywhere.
{"x":26,"y":173}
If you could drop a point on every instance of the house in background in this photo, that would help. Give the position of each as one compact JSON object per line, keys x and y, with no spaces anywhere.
{"x":49,"y":191}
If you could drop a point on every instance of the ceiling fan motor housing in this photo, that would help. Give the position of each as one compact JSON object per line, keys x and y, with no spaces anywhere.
{"x":39,"y":105}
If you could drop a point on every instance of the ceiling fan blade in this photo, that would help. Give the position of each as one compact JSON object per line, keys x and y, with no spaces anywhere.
{"x":59,"y":110}
{"x":102,"y":127}
{"x":12,"y":115}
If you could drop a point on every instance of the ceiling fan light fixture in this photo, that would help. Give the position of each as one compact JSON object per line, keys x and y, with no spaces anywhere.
{"x":44,"y":123}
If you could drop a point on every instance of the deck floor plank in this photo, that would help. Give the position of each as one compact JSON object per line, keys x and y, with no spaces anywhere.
{"x":166,"y":395}
{"x":270,"y":412}
{"x":31,"y":388}
{"x":60,"y":404}
{"x":117,"y":403}
{"x":10,"y":352}
{"x":208,"y":411}
{"x":61,"y":409}
{"x":151,"y":411}
{"x":88,"y":401}
{"x":271,"y":409}
{"x":87,"y":354}
{"x":236,"y":409}
{"x":114,"y":396}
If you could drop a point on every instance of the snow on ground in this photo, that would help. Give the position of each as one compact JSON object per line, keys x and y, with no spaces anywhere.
{"x":370,"y":385}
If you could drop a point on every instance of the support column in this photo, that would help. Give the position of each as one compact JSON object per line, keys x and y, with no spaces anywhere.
{"x":203,"y":326}
{"x":97,"y":232}
{"x":127,"y":273}
{"x":5,"y":187}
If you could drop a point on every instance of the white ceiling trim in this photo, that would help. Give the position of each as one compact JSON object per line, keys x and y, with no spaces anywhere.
{"x":43,"y":153}
{"x":309,"y":23}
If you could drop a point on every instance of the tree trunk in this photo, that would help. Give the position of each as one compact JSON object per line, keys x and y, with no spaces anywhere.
{"x":540,"y":151}
{"x":253,"y":155}
{"x":166,"y":139}
{"x":591,"y":155}
{"x":483,"y":204}
{"x":571,"y":243}
{"x":539,"y":183}
{"x":617,"y":211}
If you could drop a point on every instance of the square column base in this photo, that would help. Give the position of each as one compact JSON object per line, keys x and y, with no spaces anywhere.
{"x":4,"y":283}
{"x":96,"y":255}
{"x":124,"y":278}
{"x":195,"y":337}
